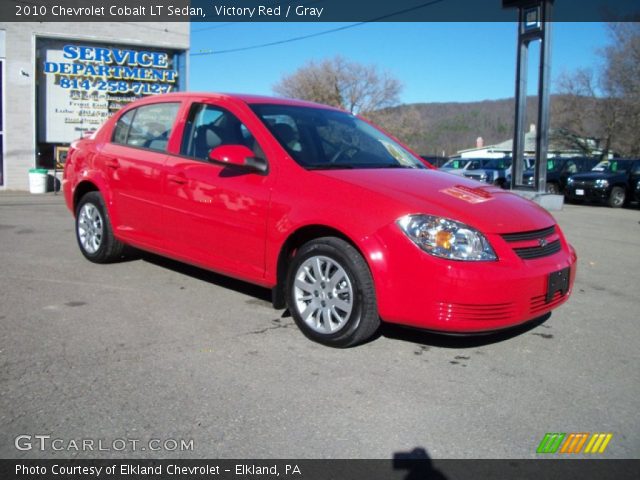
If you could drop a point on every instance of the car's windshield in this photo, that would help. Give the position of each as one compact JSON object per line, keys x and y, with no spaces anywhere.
{"x":318,"y":138}
{"x":456,"y":163}
{"x":497,"y":163}
{"x":555,"y":164}
{"x":610,"y":166}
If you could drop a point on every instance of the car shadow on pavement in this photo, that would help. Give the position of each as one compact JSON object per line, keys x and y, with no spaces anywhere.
{"x":239,"y":286}
{"x":387,"y":330}
{"x":443,"y":340}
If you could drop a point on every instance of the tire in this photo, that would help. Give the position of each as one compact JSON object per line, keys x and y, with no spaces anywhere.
{"x":330,"y":293}
{"x":553,"y":188}
{"x":94,"y":232}
{"x":617,"y":197}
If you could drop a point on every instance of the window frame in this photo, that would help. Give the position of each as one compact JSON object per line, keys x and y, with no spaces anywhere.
{"x":189,"y":130}
{"x":135,"y":111}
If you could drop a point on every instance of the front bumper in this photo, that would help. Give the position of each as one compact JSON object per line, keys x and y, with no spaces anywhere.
{"x":416,"y":289}
{"x":587,"y":192}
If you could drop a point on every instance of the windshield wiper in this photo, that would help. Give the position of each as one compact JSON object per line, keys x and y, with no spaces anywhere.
{"x":390,"y":165}
{"x":329,"y":166}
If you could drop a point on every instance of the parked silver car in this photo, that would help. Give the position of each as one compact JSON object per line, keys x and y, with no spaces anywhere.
{"x":496,"y":171}
{"x":458,"y":166}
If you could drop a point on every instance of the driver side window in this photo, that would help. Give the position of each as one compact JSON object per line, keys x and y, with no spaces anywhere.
{"x":208,"y":127}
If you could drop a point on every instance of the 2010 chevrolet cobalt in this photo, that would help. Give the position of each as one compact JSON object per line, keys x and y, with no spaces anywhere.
{"x":343,"y":223}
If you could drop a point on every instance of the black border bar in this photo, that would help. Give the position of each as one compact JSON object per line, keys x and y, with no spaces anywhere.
{"x":303,"y":11}
{"x":403,"y":467}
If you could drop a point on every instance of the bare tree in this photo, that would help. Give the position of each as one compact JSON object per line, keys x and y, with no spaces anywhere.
{"x":601,"y":110}
{"x":358,"y":88}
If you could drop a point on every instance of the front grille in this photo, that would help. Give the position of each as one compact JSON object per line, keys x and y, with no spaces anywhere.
{"x":532,"y":235}
{"x":582,"y":183}
{"x":528,"y":253}
{"x":547,"y":243}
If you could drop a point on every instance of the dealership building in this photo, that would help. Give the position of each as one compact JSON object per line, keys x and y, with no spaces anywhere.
{"x":61,"y":80}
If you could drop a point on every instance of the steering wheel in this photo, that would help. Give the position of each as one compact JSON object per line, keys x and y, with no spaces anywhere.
{"x":342,"y":151}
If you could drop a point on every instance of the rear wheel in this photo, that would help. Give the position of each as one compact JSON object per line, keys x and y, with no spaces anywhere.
{"x":330,"y":293}
{"x":616,"y":197}
{"x":94,"y":232}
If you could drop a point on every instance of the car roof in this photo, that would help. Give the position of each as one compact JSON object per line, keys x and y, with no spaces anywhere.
{"x":245,"y":98}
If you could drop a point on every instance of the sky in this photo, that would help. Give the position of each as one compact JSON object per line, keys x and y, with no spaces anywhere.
{"x":435,"y":62}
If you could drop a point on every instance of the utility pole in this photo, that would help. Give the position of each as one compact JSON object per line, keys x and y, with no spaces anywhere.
{"x":534,"y":24}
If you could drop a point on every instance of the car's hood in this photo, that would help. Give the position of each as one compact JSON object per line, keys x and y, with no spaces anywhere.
{"x":488,"y":208}
{"x":595,"y":175}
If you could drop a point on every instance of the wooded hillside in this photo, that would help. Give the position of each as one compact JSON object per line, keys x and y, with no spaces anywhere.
{"x":434,"y":128}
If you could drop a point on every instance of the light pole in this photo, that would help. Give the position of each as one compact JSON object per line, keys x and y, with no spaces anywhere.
{"x":534,"y":24}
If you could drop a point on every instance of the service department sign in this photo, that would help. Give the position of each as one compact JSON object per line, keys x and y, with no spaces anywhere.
{"x":84,"y":85}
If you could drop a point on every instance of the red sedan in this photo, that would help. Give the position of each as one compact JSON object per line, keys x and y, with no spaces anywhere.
{"x":345,"y":225}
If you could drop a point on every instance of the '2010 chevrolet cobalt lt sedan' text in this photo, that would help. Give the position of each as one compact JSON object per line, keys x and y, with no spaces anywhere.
{"x":344,"y":224}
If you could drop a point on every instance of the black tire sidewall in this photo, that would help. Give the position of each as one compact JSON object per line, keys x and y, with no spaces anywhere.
{"x":95,"y":199}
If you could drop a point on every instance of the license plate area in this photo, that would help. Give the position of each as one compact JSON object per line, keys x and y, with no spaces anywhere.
{"x":579,"y":191}
{"x":558,"y":282}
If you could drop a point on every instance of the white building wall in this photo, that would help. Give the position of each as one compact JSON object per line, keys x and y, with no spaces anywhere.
{"x":20,"y":76}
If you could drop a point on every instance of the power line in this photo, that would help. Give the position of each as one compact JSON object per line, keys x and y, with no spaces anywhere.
{"x":317,"y":34}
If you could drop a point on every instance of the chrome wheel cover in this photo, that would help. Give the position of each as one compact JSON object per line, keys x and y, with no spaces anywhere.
{"x":323,"y":294}
{"x":90,"y":228}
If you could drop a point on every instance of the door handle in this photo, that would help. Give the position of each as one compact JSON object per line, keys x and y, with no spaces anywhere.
{"x":112,"y":163}
{"x":179,"y":178}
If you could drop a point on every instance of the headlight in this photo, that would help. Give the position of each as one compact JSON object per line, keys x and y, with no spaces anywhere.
{"x":483,"y":177}
{"x":570,"y":181}
{"x":446,"y":238}
{"x":602,"y":183}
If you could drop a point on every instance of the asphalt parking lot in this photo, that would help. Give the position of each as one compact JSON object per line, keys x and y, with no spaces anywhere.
{"x":152,"y":349}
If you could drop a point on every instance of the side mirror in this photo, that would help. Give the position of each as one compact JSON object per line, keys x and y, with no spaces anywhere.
{"x":238,"y":156}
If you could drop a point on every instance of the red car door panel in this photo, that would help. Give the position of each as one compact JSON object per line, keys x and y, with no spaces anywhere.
{"x":217,"y":215}
{"x":135,"y":179}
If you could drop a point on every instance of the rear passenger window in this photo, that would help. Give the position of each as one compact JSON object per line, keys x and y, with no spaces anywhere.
{"x":147,"y":127}
{"x":122,"y":127}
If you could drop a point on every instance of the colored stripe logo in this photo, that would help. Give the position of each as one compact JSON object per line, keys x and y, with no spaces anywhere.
{"x":574,"y":442}
{"x":598,"y":443}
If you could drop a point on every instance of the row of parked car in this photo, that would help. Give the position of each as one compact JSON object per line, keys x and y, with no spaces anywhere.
{"x":615,"y":182}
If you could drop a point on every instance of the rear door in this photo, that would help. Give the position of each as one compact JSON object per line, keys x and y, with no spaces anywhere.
{"x":133,"y":162}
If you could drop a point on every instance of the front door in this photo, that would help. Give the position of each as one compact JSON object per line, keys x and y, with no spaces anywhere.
{"x":215,"y":214}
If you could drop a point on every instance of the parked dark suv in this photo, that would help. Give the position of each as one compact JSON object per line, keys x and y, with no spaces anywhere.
{"x":610,"y":181}
{"x":559,"y":170}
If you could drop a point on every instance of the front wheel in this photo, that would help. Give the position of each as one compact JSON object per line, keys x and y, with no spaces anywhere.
{"x":617,"y":197}
{"x":330,"y":293}
{"x":94,"y":232}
